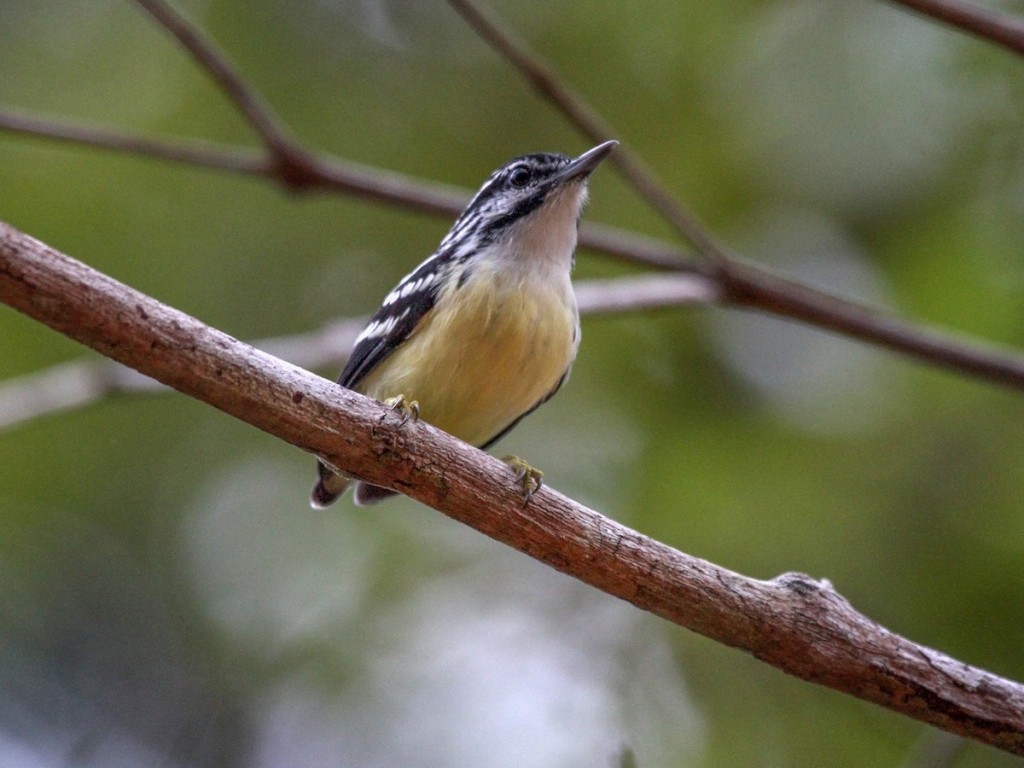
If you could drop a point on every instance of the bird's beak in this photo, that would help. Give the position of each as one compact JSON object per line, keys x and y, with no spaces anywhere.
{"x":585,"y":164}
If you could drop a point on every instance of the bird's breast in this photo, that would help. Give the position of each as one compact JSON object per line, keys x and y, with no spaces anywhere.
{"x":489,"y":351}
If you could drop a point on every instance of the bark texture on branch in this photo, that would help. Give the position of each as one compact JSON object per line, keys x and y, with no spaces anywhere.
{"x":793,"y":622}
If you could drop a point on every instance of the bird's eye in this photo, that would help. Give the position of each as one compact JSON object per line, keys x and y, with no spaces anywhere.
{"x":520,"y":177}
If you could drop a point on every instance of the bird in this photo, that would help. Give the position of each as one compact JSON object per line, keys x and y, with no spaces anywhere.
{"x":485,"y":330}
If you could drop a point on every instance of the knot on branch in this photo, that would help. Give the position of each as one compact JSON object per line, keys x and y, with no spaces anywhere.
{"x":802,"y":584}
{"x":816,"y":597}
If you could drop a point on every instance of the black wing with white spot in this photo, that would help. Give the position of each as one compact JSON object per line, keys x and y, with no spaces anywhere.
{"x":393,"y":323}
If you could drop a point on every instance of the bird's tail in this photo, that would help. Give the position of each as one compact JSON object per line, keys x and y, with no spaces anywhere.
{"x":367,"y":494}
{"x":328,"y":488}
{"x":331,"y":485}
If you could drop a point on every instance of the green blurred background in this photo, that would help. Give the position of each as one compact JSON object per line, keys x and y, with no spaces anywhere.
{"x":166,"y":596}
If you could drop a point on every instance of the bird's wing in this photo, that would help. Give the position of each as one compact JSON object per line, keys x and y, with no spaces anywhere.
{"x":394,"y":322}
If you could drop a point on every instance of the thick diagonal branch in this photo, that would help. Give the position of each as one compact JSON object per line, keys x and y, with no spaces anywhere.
{"x":799,"y":625}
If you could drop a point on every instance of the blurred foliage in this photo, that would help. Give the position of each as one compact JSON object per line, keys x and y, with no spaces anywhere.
{"x":167,"y":598}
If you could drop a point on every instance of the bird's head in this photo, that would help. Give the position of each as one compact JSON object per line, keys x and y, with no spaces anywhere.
{"x":531,"y":204}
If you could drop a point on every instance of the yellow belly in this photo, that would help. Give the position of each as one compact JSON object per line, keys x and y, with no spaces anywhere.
{"x":477,"y":370}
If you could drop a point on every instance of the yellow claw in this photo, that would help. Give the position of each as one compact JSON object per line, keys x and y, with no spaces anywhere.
{"x":410,"y":409}
{"x":530,"y":478}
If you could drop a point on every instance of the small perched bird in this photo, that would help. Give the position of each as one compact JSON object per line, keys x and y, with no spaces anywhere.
{"x":486,"y":329}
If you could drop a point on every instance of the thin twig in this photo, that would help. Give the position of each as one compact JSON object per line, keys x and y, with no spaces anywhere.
{"x":329,"y":174}
{"x":792,"y":622}
{"x":66,"y":387}
{"x":645,"y":292}
{"x":285,"y":152}
{"x":81,"y":383}
{"x":547,"y":82}
{"x":1000,"y":28}
{"x":752,"y":288}
{"x":190,"y":152}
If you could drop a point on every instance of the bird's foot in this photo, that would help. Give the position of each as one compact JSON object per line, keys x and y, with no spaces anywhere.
{"x":529,"y":478}
{"x":410,"y":409}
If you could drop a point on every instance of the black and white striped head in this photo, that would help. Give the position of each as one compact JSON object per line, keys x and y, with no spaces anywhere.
{"x":543,"y":190}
